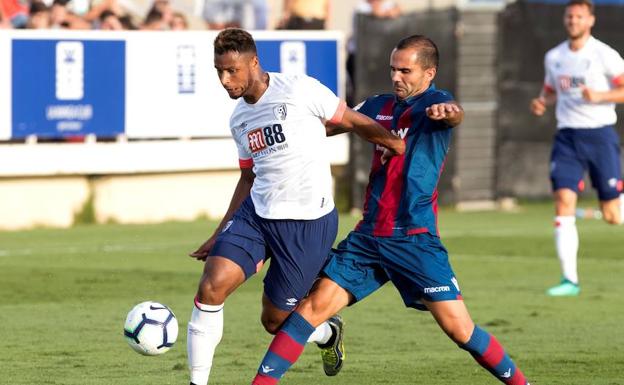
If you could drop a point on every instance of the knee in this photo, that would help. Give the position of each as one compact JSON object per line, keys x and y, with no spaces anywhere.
{"x":460,"y":333}
{"x":565,"y":202}
{"x":611,"y":217}
{"x":462,"y":336}
{"x":213,"y":290}
{"x":271,"y":324}
{"x":314,"y":310}
{"x":307,"y":307}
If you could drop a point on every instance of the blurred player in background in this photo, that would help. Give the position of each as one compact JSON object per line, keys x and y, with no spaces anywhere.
{"x":585,"y":78}
{"x":282,"y":207}
{"x":398,"y":239}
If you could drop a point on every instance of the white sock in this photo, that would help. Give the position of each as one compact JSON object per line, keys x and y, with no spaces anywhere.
{"x":321,"y":334}
{"x":204,"y":334}
{"x":567,"y":243}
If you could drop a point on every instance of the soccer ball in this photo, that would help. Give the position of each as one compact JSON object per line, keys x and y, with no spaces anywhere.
{"x":151,"y":328}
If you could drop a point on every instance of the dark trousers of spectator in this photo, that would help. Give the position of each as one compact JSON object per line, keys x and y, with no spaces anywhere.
{"x":351,"y":102}
{"x":298,"y":22}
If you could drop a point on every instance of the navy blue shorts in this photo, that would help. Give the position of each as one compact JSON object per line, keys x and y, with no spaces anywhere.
{"x":417,"y":265}
{"x":298,"y":250}
{"x":596,"y":150}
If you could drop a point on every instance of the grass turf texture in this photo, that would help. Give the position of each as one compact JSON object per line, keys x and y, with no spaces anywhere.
{"x":64,"y":295}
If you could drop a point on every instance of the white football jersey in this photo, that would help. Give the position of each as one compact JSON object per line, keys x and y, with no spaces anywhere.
{"x":596,"y":66}
{"x":282,"y":136}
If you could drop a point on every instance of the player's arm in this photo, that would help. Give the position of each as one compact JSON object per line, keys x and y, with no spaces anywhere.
{"x":548,"y":94}
{"x":614,"y":95}
{"x":333,"y":129}
{"x":241,"y":192}
{"x":614,"y":71}
{"x":546,"y":98}
{"x":450,"y":113}
{"x":368,"y":129}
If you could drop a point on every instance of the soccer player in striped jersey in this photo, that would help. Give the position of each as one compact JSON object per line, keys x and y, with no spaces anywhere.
{"x":282,"y":207}
{"x":585,"y":78}
{"x":398,"y":240}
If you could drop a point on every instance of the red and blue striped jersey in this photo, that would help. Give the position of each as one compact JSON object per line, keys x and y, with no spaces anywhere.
{"x":402,"y":196}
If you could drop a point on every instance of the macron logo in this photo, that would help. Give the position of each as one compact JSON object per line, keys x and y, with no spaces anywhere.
{"x":401,"y":132}
{"x":507,"y":374}
{"x":437,"y":289}
{"x":383,"y":117}
{"x":267,"y":369}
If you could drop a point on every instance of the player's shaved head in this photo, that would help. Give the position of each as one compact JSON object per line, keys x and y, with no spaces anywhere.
{"x":234,"y":40}
{"x":587,"y":3}
{"x":428,"y":56}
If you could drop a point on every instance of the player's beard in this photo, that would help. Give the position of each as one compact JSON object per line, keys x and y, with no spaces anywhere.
{"x":575,"y":33}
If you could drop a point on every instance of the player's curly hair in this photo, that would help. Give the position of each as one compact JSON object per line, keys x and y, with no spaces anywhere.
{"x":234,"y":40}
{"x":428,"y":55}
{"x":588,"y":3}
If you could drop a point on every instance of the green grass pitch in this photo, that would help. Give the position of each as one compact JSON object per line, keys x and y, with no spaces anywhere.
{"x":64,"y":295}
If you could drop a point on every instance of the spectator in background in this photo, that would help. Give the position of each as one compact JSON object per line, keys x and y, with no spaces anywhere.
{"x":110,"y":22}
{"x":220,"y":14}
{"x":178,"y":22}
{"x":305,"y":14}
{"x":154,"y":21}
{"x":387,"y":9}
{"x":80,"y":7}
{"x":4,"y":23}
{"x":260,"y":11}
{"x":94,"y":13}
{"x":247,"y":14}
{"x":39,"y":16}
{"x":165,"y":9}
{"x":14,"y":12}
{"x":62,"y":17}
{"x":127,"y":23}
{"x":59,"y":14}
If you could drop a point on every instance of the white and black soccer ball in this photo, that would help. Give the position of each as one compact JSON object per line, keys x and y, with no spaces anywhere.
{"x":151,"y":328}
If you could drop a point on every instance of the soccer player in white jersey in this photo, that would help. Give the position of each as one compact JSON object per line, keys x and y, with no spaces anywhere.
{"x":282,"y":207}
{"x":585,"y":78}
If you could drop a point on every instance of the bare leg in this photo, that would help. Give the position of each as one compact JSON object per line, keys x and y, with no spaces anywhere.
{"x":453,"y":318}
{"x":325,"y":299}
{"x":611,"y":211}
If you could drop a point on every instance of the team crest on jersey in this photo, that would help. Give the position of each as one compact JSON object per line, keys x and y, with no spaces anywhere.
{"x":280,"y":111}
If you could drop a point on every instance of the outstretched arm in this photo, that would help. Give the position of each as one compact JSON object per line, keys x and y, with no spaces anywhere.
{"x":367,"y":128}
{"x":450,"y":113}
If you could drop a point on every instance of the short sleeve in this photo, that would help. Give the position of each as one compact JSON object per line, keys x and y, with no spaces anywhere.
{"x":320,"y":100}
{"x":244,"y":155}
{"x":549,"y":81}
{"x":614,"y":66}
